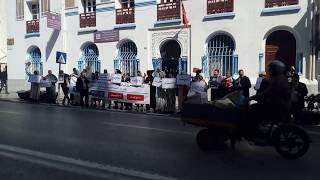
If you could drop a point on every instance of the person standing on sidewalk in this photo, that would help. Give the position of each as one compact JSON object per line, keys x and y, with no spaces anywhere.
{"x":83,"y":87}
{"x":65,"y":86}
{"x":243,"y":83}
{"x":4,"y":80}
{"x":75,"y":74}
{"x":35,"y":89}
{"x":51,"y":91}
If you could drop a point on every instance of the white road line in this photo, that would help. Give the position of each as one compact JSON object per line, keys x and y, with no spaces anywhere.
{"x":10,"y":112}
{"x":74,"y":165}
{"x":314,"y":132}
{"x":149,"y":128}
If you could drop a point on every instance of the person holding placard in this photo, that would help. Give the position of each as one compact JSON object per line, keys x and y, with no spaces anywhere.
{"x":149,"y":80}
{"x":64,"y":81}
{"x":51,"y":91}
{"x":35,"y":87}
{"x":82,"y":86}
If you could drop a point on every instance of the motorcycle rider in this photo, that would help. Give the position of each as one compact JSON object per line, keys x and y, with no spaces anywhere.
{"x":273,"y":103}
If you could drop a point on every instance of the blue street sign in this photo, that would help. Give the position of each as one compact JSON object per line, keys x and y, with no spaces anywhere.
{"x":61,"y":57}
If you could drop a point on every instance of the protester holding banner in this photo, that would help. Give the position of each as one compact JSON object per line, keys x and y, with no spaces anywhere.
{"x":149,"y":80}
{"x":73,"y":79}
{"x":215,"y":83}
{"x":35,"y":86}
{"x":128,"y":106}
{"x":64,"y":81}
{"x":51,"y":91}
{"x":82,"y":86}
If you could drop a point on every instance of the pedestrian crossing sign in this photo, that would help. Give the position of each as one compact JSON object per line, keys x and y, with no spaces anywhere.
{"x":61,"y":57}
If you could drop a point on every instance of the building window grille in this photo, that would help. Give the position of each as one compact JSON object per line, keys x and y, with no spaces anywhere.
{"x":89,"y":5}
{"x":35,"y":11}
{"x":220,"y":55}
{"x":127,"y":3}
{"x":19,"y":9}
{"x":279,"y":3}
{"x":90,"y":58}
{"x":126,"y":60}
{"x":34,"y":58}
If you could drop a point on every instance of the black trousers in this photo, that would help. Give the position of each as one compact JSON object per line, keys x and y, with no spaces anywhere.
{"x":65,"y":91}
{"x":85,"y":95}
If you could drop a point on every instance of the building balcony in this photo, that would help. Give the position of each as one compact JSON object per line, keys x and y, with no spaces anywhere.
{"x":168,"y":11}
{"x":87,"y":19}
{"x":125,"y":16}
{"x":280,"y":3}
{"x":217,"y":6}
{"x":32,"y":26}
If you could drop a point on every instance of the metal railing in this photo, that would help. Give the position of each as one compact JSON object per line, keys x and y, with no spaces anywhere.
{"x":168,"y":11}
{"x":87,"y":19}
{"x":279,"y":3}
{"x":218,"y":6}
{"x":32,"y":26}
{"x":125,"y":15}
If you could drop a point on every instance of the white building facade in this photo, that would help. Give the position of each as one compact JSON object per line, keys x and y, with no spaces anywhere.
{"x":133,"y":35}
{"x":3,"y":34}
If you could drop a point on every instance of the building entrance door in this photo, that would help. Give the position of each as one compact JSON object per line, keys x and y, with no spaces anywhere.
{"x":170,"y":53}
{"x":281,"y":45}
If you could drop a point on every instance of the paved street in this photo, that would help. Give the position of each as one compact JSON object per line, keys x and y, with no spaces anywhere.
{"x":47,"y":142}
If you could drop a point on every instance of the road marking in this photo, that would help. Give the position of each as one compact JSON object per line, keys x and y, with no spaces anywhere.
{"x":10,"y":112}
{"x":75,"y":165}
{"x":314,"y":132}
{"x":149,"y":128}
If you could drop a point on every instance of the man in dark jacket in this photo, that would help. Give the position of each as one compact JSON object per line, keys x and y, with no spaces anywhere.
{"x":243,"y":83}
{"x":273,"y":103}
{"x":64,"y":85}
{"x":82,"y":86}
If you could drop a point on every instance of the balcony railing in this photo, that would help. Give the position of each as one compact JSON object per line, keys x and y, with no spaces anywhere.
{"x":88,"y":19}
{"x":167,"y":11}
{"x":32,"y":26}
{"x":125,"y":16}
{"x":218,"y":6}
{"x":279,"y":3}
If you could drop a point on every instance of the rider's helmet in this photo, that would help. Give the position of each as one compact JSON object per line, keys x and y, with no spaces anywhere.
{"x":276,"y":68}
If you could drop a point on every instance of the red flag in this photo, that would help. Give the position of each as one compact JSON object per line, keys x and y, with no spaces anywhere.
{"x":184,"y":16}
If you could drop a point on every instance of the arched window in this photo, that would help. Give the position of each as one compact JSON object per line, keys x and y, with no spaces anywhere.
{"x":34,"y":61}
{"x":126,"y":60}
{"x":221,"y":55}
{"x":90,"y":57}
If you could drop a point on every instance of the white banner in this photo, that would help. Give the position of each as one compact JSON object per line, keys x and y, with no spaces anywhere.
{"x":168,"y":83}
{"x":34,"y":79}
{"x":157,"y":82}
{"x":122,"y":93}
{"x":72,"y":86}
{"x":183,"y":79}
{"x":136,"y":81}
{"x":116,"y":78}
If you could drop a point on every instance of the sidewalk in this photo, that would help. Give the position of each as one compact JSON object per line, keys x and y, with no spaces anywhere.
{"x":13,"y":97}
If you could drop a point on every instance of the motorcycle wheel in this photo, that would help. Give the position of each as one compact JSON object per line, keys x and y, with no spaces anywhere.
{"x":291,"y":142}
{"x":211,"y":139}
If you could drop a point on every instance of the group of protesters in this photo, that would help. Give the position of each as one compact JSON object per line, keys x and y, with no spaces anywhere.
{"x":162,"y":100}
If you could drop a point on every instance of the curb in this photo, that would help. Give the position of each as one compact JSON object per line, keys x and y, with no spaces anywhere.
{"x":93,"y":109}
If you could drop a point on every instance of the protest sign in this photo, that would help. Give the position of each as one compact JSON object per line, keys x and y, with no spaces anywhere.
{"x":136,"y":81}
{"x":45,"y":83}
{"x":34,"y":79}
{"x":61,"y":79}
{"x":198,"y":87}
{"x":183,"y":79}
{"x":157,"y":82}
{"x":168,"y":83}
{"x":116,"y":78}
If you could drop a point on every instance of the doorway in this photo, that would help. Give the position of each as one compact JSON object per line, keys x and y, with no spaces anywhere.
{"x":281,"y":45}
{"x":170,"y":53}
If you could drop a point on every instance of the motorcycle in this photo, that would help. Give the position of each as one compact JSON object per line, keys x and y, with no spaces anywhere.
{"x":289,"y":140}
